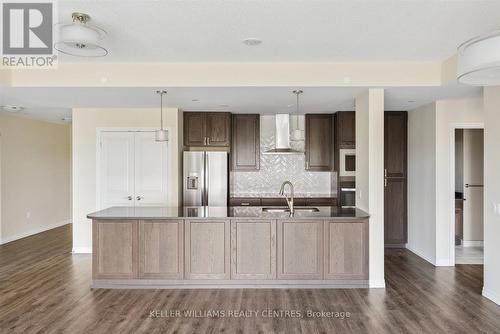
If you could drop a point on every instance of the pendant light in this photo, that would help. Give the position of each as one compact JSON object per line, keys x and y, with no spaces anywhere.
{"x":298,"y":134}
{"x":162,"y":134}
{"x":79,"y":38}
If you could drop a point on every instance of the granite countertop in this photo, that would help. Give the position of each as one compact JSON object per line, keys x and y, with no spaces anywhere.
{"x":235,"y":212}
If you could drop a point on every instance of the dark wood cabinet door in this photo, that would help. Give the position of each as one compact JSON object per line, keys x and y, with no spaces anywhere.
{"x":318,"y":142}
{"x":218,"y":129}
{"x":346,"y":129}
{"x":194,"y":129}
{"x":395,"y":182}
{"x":245,"y":148}
{"x":395,"y":133}
{"x":395,"y":224}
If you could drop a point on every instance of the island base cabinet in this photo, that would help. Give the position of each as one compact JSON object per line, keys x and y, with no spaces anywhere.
{"x":114,"y":253}
{"x":161,"y":249}
{"x":300,"y":250}
{"x":346,"y":250}
{"x":207,"y":249}
{"x":253,"y":249}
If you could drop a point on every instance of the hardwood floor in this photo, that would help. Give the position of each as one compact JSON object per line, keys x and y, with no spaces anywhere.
{"x":46,"y":289}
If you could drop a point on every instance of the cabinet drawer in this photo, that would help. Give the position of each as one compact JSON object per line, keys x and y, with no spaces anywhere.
{"x":244,"y":201}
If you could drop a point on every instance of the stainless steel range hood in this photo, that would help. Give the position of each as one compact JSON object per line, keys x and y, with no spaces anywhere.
{"x":282,"y":136}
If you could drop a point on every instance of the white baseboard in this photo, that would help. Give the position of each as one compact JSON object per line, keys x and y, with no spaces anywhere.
{"x":376,"y":284}
{"x":82,"y":250}
{"x":419,"y":254}
{"x":444,"y":263}
{"x":34,"y":231}
{"x":493,"y":296}
{"x":472,"y":243}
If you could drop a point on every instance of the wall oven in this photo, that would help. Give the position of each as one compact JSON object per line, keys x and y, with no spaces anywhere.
{"x":347,"y":197}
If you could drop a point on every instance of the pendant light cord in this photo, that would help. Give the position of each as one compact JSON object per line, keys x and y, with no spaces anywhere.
{"x":297,"y":120}
{"x":161,"y":92}
{"x":161,"y":109}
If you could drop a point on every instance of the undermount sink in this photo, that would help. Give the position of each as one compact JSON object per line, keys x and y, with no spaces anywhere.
{"x":286,"y":209}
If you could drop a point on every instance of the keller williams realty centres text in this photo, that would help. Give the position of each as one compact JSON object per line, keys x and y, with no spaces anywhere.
{"x":266,"y":313}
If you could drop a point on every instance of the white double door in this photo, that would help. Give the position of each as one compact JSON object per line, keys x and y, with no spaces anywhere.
{"x":133,"y":169}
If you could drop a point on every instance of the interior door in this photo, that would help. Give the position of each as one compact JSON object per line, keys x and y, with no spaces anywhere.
{"x":150,"y":170}
{"x":133,"y":169}
{"x":395,"y":178}
{"x":117,"y":169}
{"x":473,"y":185}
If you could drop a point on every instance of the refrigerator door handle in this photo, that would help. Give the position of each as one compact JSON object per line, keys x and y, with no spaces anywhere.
{"x":207,"y":183}
{"x":204,"y":170}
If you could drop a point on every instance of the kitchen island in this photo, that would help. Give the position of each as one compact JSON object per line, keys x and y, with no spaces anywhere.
{"x":221,"y":247}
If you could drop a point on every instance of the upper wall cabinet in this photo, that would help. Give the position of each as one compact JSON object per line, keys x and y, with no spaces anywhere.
{"x":245,"y":147}
{"x":346,"y":127}
{"x":207,"y":129}
{"x":318,"y":142}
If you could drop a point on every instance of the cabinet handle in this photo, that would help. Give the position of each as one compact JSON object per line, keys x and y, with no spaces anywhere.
{"x":385,"y":172}
{"x":245,"y":204}
{"x":385,"y":183}
{"x":208,"y":140}
{"x":205,"y":141}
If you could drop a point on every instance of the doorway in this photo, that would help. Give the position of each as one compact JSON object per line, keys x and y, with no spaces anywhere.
{"x":469,"y":203}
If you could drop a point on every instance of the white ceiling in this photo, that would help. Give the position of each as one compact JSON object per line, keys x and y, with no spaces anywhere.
{"x":52,"y":104}
{"x":291,"y":30}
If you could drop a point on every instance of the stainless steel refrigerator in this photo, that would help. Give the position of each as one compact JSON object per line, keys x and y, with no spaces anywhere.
{"x":205,"y":178}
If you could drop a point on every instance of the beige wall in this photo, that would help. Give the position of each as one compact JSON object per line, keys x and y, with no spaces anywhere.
{"x":364,"y":74}
{"x":35,"y":176}
{"x":431,"y":144}
{"x":86,"y":123}
{"x":491,"y":288}
{"x":370,"y":175}
{"x":422,"y":182}
{"x":450,"y":114}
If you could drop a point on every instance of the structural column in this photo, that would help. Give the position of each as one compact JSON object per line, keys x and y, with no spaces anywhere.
{"x":370,"y":175}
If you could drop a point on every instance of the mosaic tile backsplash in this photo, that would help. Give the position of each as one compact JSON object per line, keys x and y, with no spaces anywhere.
{"x":276,"y":168}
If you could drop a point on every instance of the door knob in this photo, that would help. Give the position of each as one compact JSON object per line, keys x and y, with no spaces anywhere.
{"x":139,"y":198}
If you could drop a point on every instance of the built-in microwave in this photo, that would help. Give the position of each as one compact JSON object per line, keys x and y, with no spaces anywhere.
{"x":347,"y":163}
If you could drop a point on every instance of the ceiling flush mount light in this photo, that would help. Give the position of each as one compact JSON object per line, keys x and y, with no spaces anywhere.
{"x":12,"y":108}
{"x":479,"y":60}
{"x":162,"y":134}
{"x":298,"y":134}
{"x":252,"y":41}
{"x":79,"y":38}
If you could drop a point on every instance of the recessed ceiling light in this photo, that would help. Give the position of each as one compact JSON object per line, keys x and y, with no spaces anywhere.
{"x":11,"y":108}
{"x":252,"y":41}
{"x":195,"y":100}
{"x":224,"y":105}
{"x":411,"y":101}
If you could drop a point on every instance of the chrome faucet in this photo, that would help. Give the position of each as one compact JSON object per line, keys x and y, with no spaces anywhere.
{"x":289,"y":201}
